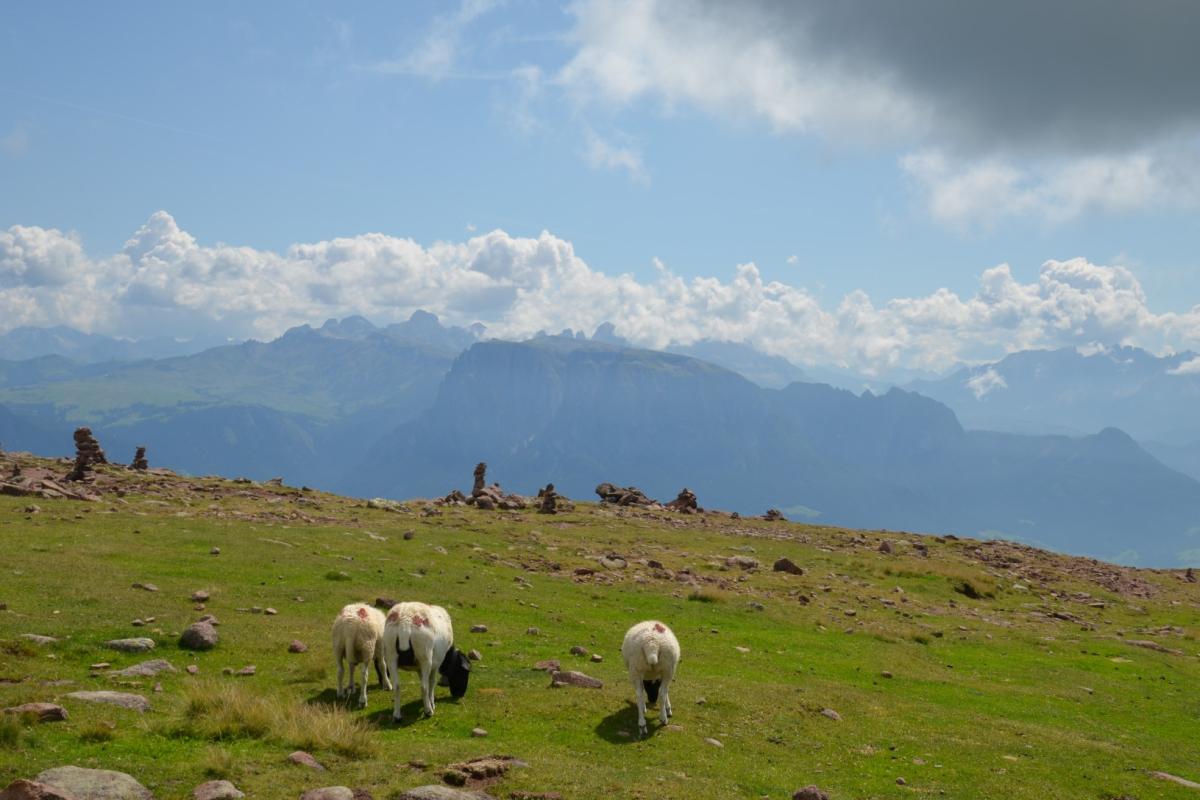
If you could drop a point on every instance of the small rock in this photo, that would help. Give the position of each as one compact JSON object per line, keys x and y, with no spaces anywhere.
{"x":199,"y":636}
{"x":137,"y":623}
{"x":158,"y":688}
{"x":479,"y":629}
{"x":788,"y":566}
{"x":809,"y":793}
{"x":146,"y":587}
{"x":38,"y":639}
{"x":532,"y":631}
{"x":32,"y":790}
{"x":270,"y":612}
{"x":408,"y":535}
{"x":597,"y":658}
{"x":885,"y":547}
{"x":146,"y":669}
{"x":741,"y":649}
{"x":33,"y":509}
{"x":216,"y":551}
{"x":94,"y":784}
{"x":700,"y":701}
{"x":850,"y":612}
{"x":475,"y":655}
{"x":439,"y":792}
{"x":742,"y":562}
{"x":192,"y":669}
{"x":216,"y":790}
{"x":329,"y":793}
{"x":134,"y":702}
{"x":578,"y":650}
{"x":833,"y":715}
{"x":138,"y":645}
{"x":714,"y":742}
{"x":885,"y":674}
{"x":901,"y":782}
{"x":201,"y":596}
{"x":297,"y":646}
{"x":246,"y":671}
{"x":305,"y":760}
{"x":478,"y":733}
{"x":44,"y":712}
{"x":573,"y":678}
{"x":549,"y":665}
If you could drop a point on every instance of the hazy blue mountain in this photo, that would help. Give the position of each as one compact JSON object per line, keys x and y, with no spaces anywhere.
{"x":773,"y":372}
{"x":578,"y":413}
{"x":1154,"y":399}
{"x":28,"y":342}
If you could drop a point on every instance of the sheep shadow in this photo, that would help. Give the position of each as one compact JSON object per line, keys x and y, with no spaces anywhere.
{"x":620,"y":727}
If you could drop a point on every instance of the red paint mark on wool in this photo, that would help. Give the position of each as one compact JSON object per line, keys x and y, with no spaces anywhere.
{"x":419,"y":621}
{"x":394,"y":616}
{"x":362,"y":613}
{"x":659,"y":627}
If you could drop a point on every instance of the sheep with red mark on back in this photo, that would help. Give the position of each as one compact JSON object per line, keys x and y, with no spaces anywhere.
{"x":420,"y":637}
{"x":651,"y":654}
{"x":358,"y":639}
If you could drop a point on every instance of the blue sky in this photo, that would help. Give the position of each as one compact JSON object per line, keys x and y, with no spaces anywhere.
{"x":634,"y":131}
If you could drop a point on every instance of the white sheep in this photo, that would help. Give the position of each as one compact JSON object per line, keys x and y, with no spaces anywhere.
{"x":358,"y":639}
{"x":419,"y":636}
{"x":651,"y":654}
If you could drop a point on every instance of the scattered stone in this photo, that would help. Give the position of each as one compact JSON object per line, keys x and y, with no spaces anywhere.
{"x":901,"y":782}
{"x":534,"y":796}
{"x":146,"y":669}
{"x":192,"y":669}
{"x":809,"y":793}
{"x":32,"y":790}
{"x":611,"y":561}
{"x":137,"y":623}
{"x":714,"y":742}
{"x":270,"y":612}
{"x":33,"y":509}
{"x":833,"y":715}
{"x":741,"y":649}
{"x":216,"y":551}
{"x":217,"y":790}
{"x":475,"y":655}
{"x":329,"y":793}
{"x":623,"y":496}
{"x":788,"y":566}
{"x":38,"y":639}
{"x":408,"y":535}
{"x":297,"y":646}
{"x":305,"y":760}
{"x":478,"y":733}
{"x":146,"y":587}
{"x":479,"y":629}
{"x":1155,"y":646}
{"x":774,"y":515}
{"x":597,"y":658}
{"x":742,"y":562}
{"x":1166,"y":776}
{"x":684,"y":502}
{"x":94,"y":784}
{"x":885,"y":547}
{"x":885,"y":674}
{"x":438,"y":792}
{"x":579,"y":650}
{"x":246,"y":671}
{"x":134,"y":702}
{"x":199,"y":636}
{"x":138,"y":645}
{"x":532,"y":631}
{"x":1190,"y":575}
{"x":559,"y":678}
{"x":200,"y":596}
{"x":548,"y":500}
{"x":549,"y":665}
{"x":44,"y":712}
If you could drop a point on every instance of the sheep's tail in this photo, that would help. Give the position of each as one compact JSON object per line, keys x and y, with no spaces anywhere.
{"x":650,"y":651}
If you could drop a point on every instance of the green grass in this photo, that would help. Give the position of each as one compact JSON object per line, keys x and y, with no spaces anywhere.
{"x":989,"y":696}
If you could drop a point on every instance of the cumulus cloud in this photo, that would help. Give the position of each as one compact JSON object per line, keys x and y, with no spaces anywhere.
{"x":163,"y":280}
{"x":984,"y":383}
{"x":1189,"y":367}
{"x":603,"y":154}
{"x":1018,"y":109}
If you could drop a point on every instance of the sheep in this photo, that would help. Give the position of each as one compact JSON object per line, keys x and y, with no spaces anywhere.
{"x":419,"y":636}
{"x":651,"y":654}
{"x":358,"y":639}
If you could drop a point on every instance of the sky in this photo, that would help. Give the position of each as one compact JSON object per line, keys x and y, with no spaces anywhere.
{"x":876,"y":186}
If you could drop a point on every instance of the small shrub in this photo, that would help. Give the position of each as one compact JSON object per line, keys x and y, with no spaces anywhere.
{"x":17,"y":647}
{"x":98,"y":732}
{"x":227,"y":711}
{"x":702,"y":595}
{"x":11,"y":731}
{"x":336,"y":575}
{"x":309,"y":727}
{"x":217,"y":763}
{"x":920,"y":638}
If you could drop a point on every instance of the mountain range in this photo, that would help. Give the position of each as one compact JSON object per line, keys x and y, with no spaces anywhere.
{"x":408,"y":409}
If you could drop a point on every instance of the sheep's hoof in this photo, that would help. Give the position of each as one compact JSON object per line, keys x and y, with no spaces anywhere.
{"x":643,"y":729}
{"x":396,"y":718}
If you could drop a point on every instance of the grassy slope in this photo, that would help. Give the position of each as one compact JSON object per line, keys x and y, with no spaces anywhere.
{"x":989,"y":697}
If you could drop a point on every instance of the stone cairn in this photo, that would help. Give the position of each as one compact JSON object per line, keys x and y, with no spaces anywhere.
{"x":623,"y":496}
{"x":774,"y":515}
{"x":139,"y":460}
{"x":685,"y":503}
{"x":87,"y":453}
{"x":482,"y":496}
{"x":548,"y":500}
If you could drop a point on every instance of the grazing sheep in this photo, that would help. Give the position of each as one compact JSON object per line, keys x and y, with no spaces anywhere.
{"x":651,"y":654}
{"x":358,"y":639}
{"x":418,"y":636}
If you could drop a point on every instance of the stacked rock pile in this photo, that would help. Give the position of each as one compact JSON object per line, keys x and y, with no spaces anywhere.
{"x":87,"y":453}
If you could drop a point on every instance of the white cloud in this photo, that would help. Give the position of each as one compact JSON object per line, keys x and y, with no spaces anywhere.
{"x":983,"y":383}
{"x":438,"y":54}
{"x":603,"y":154}
{"x":164,"y":281}
{"x":793,"y":260}
{"x":1189,"y":367}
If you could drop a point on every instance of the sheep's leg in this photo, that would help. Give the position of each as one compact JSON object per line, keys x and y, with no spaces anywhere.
{"x":341,"y":675}
{"x":381,"y":670}
{"x":393,"y":662}
{"x":362,"y":690}
{"x":639,"y":692}
{"x":433,"y":682}
{"x":427,"y":678}
{"x":664,"y":700}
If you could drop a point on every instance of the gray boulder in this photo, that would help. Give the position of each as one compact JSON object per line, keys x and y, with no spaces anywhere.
{"x":199,"y":636}
{"x":94,"y":784}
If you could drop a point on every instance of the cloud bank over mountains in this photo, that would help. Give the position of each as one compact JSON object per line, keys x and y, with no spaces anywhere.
{"x":164,"y":282}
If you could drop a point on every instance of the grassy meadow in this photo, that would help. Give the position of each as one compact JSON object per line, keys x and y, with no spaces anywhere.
{"x":962,"y":673}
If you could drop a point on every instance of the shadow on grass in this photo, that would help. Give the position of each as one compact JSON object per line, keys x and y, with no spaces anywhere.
{"x":620,"y":727}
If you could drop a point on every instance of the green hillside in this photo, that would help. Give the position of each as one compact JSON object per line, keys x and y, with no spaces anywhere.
{"x":977,"y":669}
